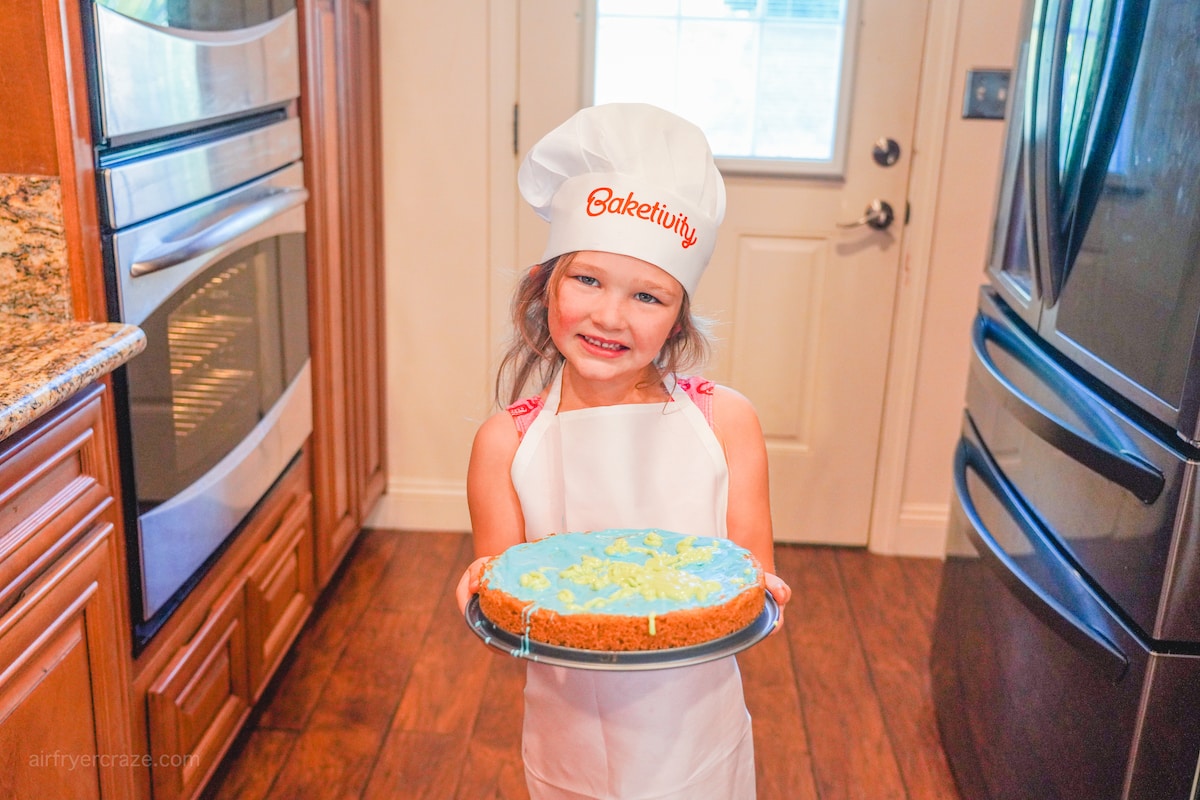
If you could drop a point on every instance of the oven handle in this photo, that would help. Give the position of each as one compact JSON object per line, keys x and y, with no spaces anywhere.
{"x":239,"y":219}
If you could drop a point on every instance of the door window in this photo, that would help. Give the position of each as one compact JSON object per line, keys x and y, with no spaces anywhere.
{"x":767,"y":80}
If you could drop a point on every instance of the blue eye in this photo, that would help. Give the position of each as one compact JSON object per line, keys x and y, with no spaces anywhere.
{"x":646,"y":297}
{"x":586,"y":280}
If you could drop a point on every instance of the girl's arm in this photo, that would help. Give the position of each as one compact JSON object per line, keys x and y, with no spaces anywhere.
{"x":496,"y":519}
{"x":748,"y":518}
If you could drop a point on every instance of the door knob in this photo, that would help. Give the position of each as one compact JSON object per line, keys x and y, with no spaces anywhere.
{"x":879,"y":215}
{"x":886,"y":152}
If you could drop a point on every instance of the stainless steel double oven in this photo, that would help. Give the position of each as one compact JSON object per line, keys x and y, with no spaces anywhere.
{"x":198,"y":160}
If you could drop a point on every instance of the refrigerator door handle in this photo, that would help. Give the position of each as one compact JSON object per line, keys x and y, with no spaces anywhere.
{"x":1067,"y":167}
{"x":1065,"y":623}
{"x":1039,"y":145}
{"x":1120,"y":51}
{"x":1109,"y":452}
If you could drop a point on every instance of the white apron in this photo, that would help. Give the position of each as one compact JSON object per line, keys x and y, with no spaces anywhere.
{"x":683,"y":733}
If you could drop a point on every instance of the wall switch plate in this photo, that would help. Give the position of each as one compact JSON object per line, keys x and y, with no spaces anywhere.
{"x":986,"y":94}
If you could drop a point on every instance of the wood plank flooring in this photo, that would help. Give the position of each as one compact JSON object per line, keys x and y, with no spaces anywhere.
{"x":388,"y":694}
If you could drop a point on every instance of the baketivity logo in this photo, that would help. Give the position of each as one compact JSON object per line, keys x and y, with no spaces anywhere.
{"x":603,"y":201}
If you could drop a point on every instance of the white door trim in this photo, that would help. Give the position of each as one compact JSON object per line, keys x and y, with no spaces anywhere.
{"x":897,"y":529}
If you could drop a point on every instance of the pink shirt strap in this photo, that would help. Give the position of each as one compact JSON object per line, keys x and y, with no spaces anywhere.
{"x":700,"y":390}
{"x":524,"y":412}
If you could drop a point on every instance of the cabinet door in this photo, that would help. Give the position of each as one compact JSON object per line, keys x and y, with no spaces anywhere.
{"x":340,"y":112}
{"x":64,"y":712}
{"x":279,"y":590}
{"x":333,"y":487}
{"x":364,"y":233}
{"x":200,"y":700}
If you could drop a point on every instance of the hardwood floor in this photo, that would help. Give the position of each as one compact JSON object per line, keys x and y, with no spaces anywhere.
{"x":388,"y":694}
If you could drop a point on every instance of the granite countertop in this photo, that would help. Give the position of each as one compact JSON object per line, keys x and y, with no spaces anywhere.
{"x":44,"y":363}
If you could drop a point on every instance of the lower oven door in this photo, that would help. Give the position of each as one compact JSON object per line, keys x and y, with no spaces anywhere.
{"x":221,"y":399}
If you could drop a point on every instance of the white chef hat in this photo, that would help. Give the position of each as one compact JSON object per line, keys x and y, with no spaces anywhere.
{"x":632,"y":179}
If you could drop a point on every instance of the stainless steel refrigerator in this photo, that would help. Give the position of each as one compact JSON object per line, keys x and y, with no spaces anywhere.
{"x":1066,"y":653}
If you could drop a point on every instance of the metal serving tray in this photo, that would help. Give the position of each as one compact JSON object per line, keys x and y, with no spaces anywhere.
{"x":623,"y":660}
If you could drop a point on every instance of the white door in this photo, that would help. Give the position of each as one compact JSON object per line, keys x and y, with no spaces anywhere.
{"x":804,"y":306}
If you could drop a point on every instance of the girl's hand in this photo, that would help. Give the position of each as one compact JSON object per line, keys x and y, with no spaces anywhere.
{"x":468,"y":584}
{"x":782,"y":594}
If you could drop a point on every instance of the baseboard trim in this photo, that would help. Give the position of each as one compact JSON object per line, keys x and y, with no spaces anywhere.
{"x":422,"y":505}
{"x":919,"y":531}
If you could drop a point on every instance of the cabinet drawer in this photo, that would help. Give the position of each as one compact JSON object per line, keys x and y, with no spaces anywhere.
{"x":279,"y":590}
{"x":199,"y":700}
{"x":54,"y":485}
{"x":64,"y":716}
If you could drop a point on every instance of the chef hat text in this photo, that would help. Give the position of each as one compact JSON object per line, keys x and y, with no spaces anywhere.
{"x":632,"y":179}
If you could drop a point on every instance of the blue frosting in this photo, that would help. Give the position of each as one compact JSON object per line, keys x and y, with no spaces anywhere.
{"x":629,"y":572}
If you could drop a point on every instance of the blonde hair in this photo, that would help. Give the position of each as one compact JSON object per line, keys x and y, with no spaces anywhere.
{"x":532,"y":354}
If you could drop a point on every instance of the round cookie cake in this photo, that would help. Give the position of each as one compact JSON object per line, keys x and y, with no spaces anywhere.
{"x":621,"y":590}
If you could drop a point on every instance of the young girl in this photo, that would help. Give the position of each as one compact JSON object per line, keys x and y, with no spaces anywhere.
{"x":618,"y":438}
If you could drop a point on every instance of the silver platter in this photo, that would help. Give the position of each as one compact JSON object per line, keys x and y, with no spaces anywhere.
{"x":518,"y":647}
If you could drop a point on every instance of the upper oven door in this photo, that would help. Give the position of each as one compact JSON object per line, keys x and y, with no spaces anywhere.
{"x":165,"y":66}
{"x":153,"y":259}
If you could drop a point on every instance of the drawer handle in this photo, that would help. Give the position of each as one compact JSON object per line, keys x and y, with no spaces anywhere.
{"x":1060,"y":619}
{"x":1116,"y":459}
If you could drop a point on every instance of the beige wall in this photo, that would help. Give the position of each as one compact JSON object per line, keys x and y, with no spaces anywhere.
{"x":439,"y":129}
{"x":435,"y":163}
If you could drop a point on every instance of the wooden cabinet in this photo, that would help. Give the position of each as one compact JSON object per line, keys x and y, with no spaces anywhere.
{"x":200,"y":700}
{"x":340,"y":116}
{"x":207,"y":667}
{"x":64,"y":704}
{"x":279,"y":587}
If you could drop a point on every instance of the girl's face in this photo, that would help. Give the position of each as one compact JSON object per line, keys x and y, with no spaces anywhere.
{"x":609,"y":315}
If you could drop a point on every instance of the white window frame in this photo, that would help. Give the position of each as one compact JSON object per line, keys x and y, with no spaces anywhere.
{"x":835,"y":167}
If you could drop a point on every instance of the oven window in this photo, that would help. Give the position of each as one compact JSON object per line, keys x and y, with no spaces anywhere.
{"x":202,"y":15}
{"x":218,"y":355}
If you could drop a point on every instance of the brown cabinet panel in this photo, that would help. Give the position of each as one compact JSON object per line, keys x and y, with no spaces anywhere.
{"x":65,"y":719}
{"x":199,"y":701}
{"x":26,"y":113}
{"x":279,"y":591}
{"x":340,"y":113}
{"x":365,"y":247}
{"x":333,"y":488}
{"x":54,"y":485}
{"x":64,"y":713}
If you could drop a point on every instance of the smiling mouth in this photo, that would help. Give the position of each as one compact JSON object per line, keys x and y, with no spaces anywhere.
{"x":614,"y":347}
